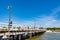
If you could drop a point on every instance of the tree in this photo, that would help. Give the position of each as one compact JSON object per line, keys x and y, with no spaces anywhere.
{"x":14,"y":27}
{"x":19,"y":28}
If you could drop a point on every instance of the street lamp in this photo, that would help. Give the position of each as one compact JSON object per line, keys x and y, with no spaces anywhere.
{"x":9,"y":20}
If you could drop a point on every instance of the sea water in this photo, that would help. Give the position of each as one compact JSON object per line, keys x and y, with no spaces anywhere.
{"x":50,"y":36}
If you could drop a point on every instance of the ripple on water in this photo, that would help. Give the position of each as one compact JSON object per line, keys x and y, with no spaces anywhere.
{"x":50,"y":36}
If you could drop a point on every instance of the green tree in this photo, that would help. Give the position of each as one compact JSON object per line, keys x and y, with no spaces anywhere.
{"x":19,"y":28}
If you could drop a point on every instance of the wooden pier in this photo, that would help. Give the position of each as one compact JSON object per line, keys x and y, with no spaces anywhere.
{"x":20,"y":34}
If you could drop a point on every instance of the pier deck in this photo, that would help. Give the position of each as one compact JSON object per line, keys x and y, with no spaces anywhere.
{"x":20,"y":33}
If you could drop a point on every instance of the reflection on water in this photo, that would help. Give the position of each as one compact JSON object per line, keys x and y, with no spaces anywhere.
{"x":3,"y":39}
{"x":50,"y":36}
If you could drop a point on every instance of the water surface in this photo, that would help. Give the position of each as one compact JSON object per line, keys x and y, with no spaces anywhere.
{"x":50,"y":36}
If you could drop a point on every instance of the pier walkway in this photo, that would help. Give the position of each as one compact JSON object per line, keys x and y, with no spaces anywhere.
{"x":20,"y":34}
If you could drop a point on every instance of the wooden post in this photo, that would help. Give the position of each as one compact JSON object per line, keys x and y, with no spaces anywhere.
{"x":20,"y":37}
{"x":30,"y":34}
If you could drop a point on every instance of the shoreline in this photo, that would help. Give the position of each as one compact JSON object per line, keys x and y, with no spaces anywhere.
{"x":51,"y":31}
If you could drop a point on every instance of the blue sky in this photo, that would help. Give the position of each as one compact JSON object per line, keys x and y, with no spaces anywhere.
{"x":46,"y":13}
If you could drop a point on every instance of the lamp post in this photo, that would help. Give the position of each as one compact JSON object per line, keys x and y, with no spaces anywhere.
{"x":9,"y":20}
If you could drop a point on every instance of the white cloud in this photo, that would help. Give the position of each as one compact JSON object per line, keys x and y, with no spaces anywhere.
{"x":41,"y":21}
{"x":55,"y":11}
{"x":51,"y":21}
{"x":47,"y":21}
{"x":44,"y":21}
{"x":2,"y":23}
